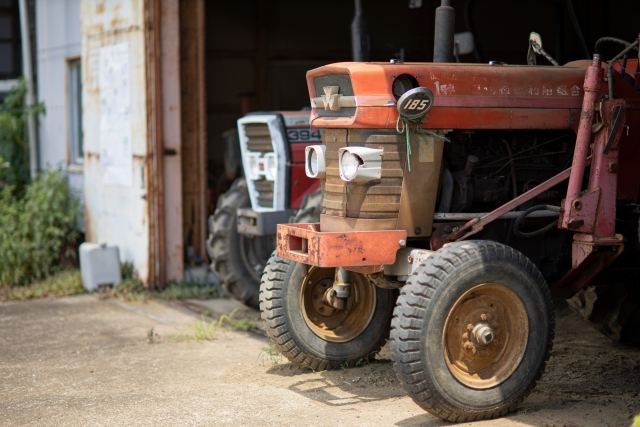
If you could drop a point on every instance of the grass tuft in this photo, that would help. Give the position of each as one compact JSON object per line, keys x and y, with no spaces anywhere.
{"x":269,"y":354}
{"x":63,"y":283}
{"x":69,"y":282}
{"x":206,"y":331}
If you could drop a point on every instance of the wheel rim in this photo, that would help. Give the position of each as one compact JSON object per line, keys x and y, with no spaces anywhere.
{"x":256,"y":252}
{"x":327,"y":322}
{"x":485,"y":336}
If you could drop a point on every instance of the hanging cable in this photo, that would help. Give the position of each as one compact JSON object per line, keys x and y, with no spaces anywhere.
{"x":406,"y":129}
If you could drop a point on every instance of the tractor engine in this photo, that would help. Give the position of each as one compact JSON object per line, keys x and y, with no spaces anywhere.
{"x":487,"y":169}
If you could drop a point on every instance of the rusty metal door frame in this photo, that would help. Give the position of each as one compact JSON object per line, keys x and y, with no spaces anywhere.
{"x":155,"y":169}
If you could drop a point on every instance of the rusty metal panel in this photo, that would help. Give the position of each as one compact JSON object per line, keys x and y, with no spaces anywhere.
{"x":194,"y":156}
{"x":171,"y":138}
{"x":305,"y":243}
{"x":116,"y":214}
{"x":421,"y":185}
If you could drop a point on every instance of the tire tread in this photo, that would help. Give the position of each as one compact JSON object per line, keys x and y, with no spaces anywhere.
{"x":415,"y":297}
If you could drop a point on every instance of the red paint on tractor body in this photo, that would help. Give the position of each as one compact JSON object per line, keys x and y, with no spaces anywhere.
{"x":480,"y":97}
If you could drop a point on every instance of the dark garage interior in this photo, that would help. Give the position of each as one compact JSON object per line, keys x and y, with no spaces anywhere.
{"x":258,"y":51}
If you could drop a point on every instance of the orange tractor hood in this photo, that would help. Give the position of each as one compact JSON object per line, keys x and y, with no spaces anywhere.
{"x":474,"y":96}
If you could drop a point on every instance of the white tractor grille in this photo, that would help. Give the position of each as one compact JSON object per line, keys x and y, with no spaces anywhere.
{"x":259,"y":141}
{"x":263,"y":149}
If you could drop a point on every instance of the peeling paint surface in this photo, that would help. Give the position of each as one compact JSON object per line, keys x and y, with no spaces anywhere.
{"x":115,"y":214}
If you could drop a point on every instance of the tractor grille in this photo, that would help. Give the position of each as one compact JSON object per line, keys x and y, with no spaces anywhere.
{"x":374,"y":199}
{"x":259,"y":137}
{"x":259,"y":140}
{"x":264,"y":188}
{"x":343,"y":81}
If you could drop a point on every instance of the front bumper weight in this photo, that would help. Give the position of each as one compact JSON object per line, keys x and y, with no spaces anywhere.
{"x":254,"y":223}
{"x":305,"y":243}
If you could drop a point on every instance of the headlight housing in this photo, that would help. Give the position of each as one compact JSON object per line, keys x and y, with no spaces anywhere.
{"x":315,"y":164}
{"x":360,"y":164}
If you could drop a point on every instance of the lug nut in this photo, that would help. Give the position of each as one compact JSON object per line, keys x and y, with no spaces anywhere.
{"x":483,"y":317}
{"x":469,"y":327}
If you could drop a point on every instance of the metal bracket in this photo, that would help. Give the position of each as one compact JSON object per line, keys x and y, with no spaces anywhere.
{"x":618,"y":114}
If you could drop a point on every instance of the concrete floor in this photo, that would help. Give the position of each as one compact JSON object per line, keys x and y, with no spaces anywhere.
{"x":82,"y":361}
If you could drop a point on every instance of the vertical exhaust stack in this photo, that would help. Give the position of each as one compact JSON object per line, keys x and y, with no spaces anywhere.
{"x":360,"y":44}
{"x":445,"y":29}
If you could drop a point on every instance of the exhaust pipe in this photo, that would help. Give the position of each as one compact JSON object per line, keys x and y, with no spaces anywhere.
{"x":444,"y":31}
{"x":360,"y":43}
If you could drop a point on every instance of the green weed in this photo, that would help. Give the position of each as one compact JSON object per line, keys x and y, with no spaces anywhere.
{"x":132,"y":288}
{"x":151,"y":336}
{"x":206,"y":331}
{"x":269,"y":354}
{"x":365,"y":360}
{"x":63,"y":283}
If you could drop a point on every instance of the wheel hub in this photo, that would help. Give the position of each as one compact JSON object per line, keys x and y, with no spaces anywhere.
{"x":485,"y":336}
{"x":482,"y":334}
{"x":328,"y":322}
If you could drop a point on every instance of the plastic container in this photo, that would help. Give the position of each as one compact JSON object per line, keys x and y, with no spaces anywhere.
{"x":99,"y":265}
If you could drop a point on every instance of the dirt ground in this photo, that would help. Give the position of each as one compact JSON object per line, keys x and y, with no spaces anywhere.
{"x":81,"y":361}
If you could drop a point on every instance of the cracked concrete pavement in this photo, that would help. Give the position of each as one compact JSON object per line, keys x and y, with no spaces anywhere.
{"x":81,"y":361}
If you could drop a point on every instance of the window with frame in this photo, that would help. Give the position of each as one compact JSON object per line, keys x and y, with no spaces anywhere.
{"x":10,"y":54}
{"x":74,"y":111}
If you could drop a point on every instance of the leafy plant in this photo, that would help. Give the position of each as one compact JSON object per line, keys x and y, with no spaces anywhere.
{"x":13,"y":147}
{"x":37,"y":227}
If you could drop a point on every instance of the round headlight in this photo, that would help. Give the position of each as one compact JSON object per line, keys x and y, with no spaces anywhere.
{"x":349,"y":164}
{"x":313,"y":162}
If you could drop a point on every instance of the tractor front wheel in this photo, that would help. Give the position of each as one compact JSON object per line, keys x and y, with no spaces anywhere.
{"x":472,"y":331}
{"x":313,"y":334}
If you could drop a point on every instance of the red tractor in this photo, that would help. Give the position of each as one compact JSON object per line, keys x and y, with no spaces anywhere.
{"x":456,"y":200}
{"x":242,"y":229}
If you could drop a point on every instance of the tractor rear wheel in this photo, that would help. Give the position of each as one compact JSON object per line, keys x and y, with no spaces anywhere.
{"x":312,"y":334}
{"x":237,"y":259}
{"x":310,"y":208}
{"x":472,"y":331}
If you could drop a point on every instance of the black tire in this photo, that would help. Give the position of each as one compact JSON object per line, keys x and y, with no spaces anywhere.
{"x":237,"y":260}
{"x":613,"y":310}
{"x":281,"y":309}
{"x":421,"y":314}
{"x":310,"y":208}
